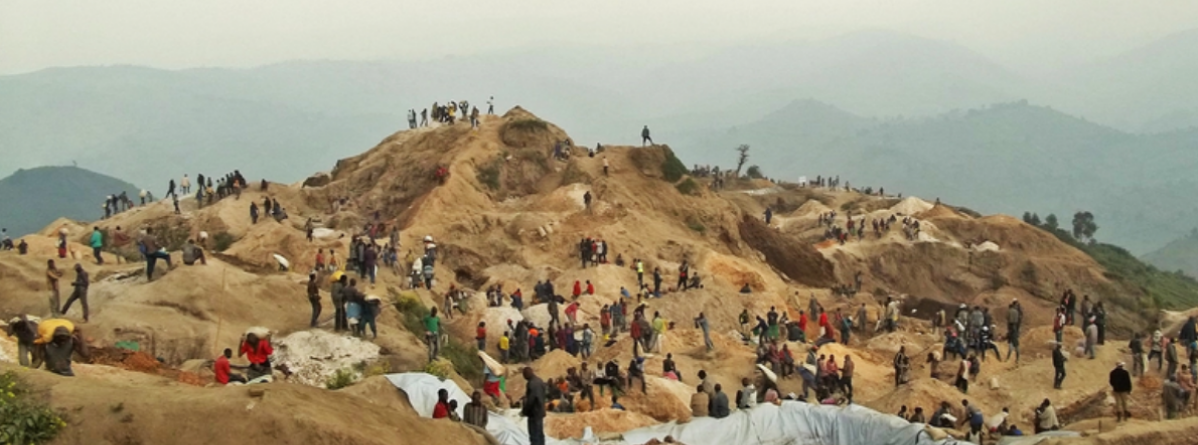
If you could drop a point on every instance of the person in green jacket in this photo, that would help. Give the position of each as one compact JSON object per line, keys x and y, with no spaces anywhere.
{"x":97,"y":243}
{"x":432,"y":333}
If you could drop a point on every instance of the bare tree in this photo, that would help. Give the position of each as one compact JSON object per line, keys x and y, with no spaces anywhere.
{"x":743,"y":149}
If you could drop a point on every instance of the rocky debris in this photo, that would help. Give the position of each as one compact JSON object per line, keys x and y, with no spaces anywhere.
{"x":315,"y":355}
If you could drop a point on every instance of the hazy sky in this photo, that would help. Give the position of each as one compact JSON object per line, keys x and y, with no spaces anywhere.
{"x":1028,"y":34}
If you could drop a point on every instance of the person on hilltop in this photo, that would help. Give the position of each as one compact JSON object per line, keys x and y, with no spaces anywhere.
{"x":645,"y":137}
{"x":153,"y":252}
{"x":170,"y":189}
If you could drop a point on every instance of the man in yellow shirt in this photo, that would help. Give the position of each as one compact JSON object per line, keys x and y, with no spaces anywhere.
{"x":659,"y":331}
{"x":504,"y":344}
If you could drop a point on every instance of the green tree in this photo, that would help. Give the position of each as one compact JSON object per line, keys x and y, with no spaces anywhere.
{"x":1050,"y":222}
{"x":754,"y":172}
{"x":1084,"y":226}
{"x":1035,"y":220}
{"x":743,"y":149}
{"x":1027,"y":217}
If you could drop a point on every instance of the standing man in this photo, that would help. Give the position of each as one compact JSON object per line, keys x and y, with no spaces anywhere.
{"x":1136,"y":345}
{"x":1120,"y":382}
{"x":1014,"y":318}
{"x":337,"y":293}
{"x":1012,"y":341}
{"x":491,"y":105}
{"x":1058,"y":364}
{"x":185,"y":184}
{"x":97,"y":242}
{"x":80,"y":293}
{"x":314,"y":298}
{"x":52,"y":276}
{"x":432,"y":333}
{"x":862,"y":319}
{"x":1171,"y":357}
{"x":534,"y":407}
{"x":701,"y":323}
{"x":1091,"y":336}
{"x":644,"y":138}
{"x":640,"y":272}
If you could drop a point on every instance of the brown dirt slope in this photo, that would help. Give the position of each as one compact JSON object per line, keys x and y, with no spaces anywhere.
{"x":112,"y":408}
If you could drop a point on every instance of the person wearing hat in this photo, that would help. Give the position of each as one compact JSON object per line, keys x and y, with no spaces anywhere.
{"x":1120,"y":381}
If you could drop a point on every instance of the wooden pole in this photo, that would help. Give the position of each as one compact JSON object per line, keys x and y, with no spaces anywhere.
{"x":219,"y":319}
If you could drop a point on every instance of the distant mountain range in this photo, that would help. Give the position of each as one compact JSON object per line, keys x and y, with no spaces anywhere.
{"x":891,"y":96}
{"x":1005,"y":158}
{"x":36,"y":197}
{"x":1179,"y":255}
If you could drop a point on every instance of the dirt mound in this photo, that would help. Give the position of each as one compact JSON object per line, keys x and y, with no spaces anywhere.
{"x":798,"y":261}
{"x":144,"y":363}
{"x":119,"y":407}
{"x":911,"y":206}
{"x":604,"y":420}
{"x":928,"y":394}
{"x":938,"y":212}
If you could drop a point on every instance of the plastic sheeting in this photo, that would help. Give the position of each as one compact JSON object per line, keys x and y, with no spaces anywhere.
{"x":422,"y":390}
{"x":795,"y":423}
{"x":792,"y":423}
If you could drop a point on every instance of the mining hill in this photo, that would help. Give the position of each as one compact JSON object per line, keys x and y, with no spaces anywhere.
{"x":509,"y":213}
{"x":34,"y":197}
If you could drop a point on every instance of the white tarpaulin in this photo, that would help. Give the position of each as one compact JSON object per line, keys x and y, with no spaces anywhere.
{"x":422,"y":390}
{"x":795,"y":423}
{"x":792,"y":423}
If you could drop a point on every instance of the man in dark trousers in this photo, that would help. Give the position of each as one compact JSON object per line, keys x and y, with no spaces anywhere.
{"x":1058,"y":364}
{"x":534,"y":407}
{"x":314,"y":298}
{"x":81,"y":283}
{"x":1120,"y":381}
{"x":644,"y":138}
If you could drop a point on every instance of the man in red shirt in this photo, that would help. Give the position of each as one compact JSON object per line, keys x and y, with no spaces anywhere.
{"x":258,"y":352}
{"x":441,"y":409}
{"x":222,"y":369}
